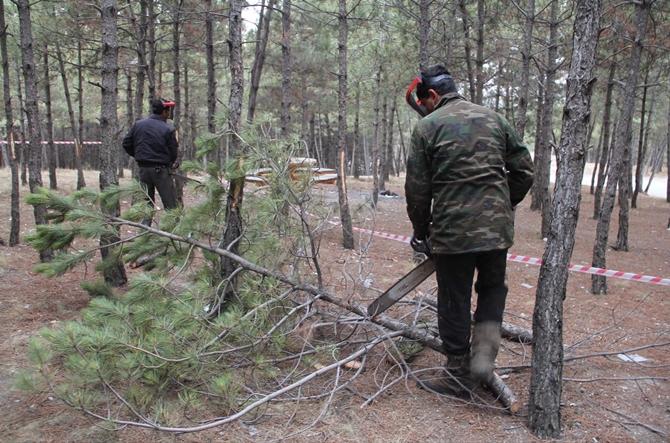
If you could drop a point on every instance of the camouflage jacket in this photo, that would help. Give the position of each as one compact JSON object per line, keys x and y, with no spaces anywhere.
{"x":471,"y":166}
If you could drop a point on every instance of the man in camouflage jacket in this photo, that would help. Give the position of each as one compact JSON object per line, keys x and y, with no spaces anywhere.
{"x":467,"y":170}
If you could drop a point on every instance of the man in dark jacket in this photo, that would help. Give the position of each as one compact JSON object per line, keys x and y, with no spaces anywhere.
{"x":467,"y":170}
{"x":154,"y":145}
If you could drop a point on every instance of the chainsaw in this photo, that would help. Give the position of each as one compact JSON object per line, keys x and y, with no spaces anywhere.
{"x":408,"y":282}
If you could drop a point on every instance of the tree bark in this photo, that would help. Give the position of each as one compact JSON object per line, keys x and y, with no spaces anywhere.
{"x":235,"y":195}
{"x":70,"y":112}
{"x":209,"y":56}
{"x":541,"y":191}
{"x":345,"y":215}
{"x":114,"y":275}
{"x":621,"y":146}
{"x":529,"y":13}
{"x":375,"y":139}
{"x":262,"y":35}
{"x":480,"y":60}
{"x":285,"y":115}
{"x":14,"y":153}
{"x":424,"y":34}
{"x":33,"y":114}
{"x":79,"y":151}
{"x":468,"y":51}
{"x":51,"y":147}
{"x":640,"y":167}
{"x":605,"y":152}
{"x":176,"y":87}
{"x":544,"y":413}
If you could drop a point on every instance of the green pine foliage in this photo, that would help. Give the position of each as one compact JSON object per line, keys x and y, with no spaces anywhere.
{"x":157,"y":346}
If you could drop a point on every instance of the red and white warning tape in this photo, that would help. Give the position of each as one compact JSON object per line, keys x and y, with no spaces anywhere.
{"x":538,"y":261}
{"x":59,"y":142}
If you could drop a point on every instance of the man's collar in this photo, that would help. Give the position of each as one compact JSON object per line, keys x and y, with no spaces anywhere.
{"x":446,"y":98}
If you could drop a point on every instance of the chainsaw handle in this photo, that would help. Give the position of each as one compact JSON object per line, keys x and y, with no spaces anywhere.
{"x":422,"y":246}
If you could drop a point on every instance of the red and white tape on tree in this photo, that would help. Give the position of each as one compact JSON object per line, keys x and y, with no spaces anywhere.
{"x":538,"y":261}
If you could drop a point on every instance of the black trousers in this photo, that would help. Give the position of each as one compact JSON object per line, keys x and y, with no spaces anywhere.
{"x":158,"y":178}
{"x":455,"y":274}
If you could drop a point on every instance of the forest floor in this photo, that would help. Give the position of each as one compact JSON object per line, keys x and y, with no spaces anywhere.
{"x":605,"y":398}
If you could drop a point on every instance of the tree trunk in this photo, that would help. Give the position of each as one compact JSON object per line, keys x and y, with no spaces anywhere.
{"x":51,"y":147}
{"x":24,"y":147}
{"x":667,"y":156}
{"x":285,"y":115}
{"x":605,"y":153}
{"x":151,"y":40}
{"x":479,"y":62}
{"x":529,"y":13}
{"x":235,"y":196}
{"x":424,"y":34}
{"x":640,"y":168}
{"x":114,"y":275}
{"x":33,"y":114}
{"x":262,"y":35}
{"x":383,"y":157}
{"x":375,"y":139}
{"x":78,"y":147}
{"x":176,"y":88}
{"x":345,"y":215}
{"x":14,"y":153}
{"x":621,"y":147}
{"x":211,"y":79}
{"x":544,"y":413}
{"x":70,"y":112}
{"x":541,"y":187}
{"x":356,"y":154}
{"x":468,"y":50}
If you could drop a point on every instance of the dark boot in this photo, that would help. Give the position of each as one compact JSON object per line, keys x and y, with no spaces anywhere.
{"x":485,"y":345}
{"x":454,"y":379}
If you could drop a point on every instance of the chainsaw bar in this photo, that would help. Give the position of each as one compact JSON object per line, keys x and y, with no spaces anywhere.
{"x":410,"y":281}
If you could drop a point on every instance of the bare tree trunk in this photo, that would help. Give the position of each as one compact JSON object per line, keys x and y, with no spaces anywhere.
{"x":345,"y":215}
{"x":529,"y":13}
{"x":596,"y":162}
{"x":479,"y":62}
{"x":114,"y":275}
{"x":262,"y":35}
{"x":78,"y":147}
{"x":14,"y":157}
{"x":468,"y":50}
{"x":383,"y":156}
{"x":235,"y":196}
{"x":375,"y":139}
{"x":176,"y":87}
{"x":541,"y":186}
{"x":640,"y":167}
{"x":448,"y":44}
{"x":51,"y":147}
{"x":285,"y":115}
{"x":211,"y":79}
{"x":424,"y":34}
{"x":605,"y":152}
{"x":70,"y":111}
{"x":667,"y":156}
{"x":24,"y":147}
{"x":621,"y":147}
{"x":356,"y":154}
{"x":544,"y":409}
{"x":151,"y":40}
{"x":33,"y":113}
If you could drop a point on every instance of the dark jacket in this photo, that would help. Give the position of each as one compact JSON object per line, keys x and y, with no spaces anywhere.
{"x":466,"y":170}
{"x":152,"y":142}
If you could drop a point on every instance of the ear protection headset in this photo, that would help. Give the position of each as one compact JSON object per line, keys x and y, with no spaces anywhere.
{"x":425,"y":83}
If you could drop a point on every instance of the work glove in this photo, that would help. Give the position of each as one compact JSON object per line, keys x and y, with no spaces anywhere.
{"x":421,"y":245}
{"x":175,"y":164}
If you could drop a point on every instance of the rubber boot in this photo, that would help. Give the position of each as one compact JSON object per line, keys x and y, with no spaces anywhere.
{"x":485,"y":345}
{"x":454,"y":380}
